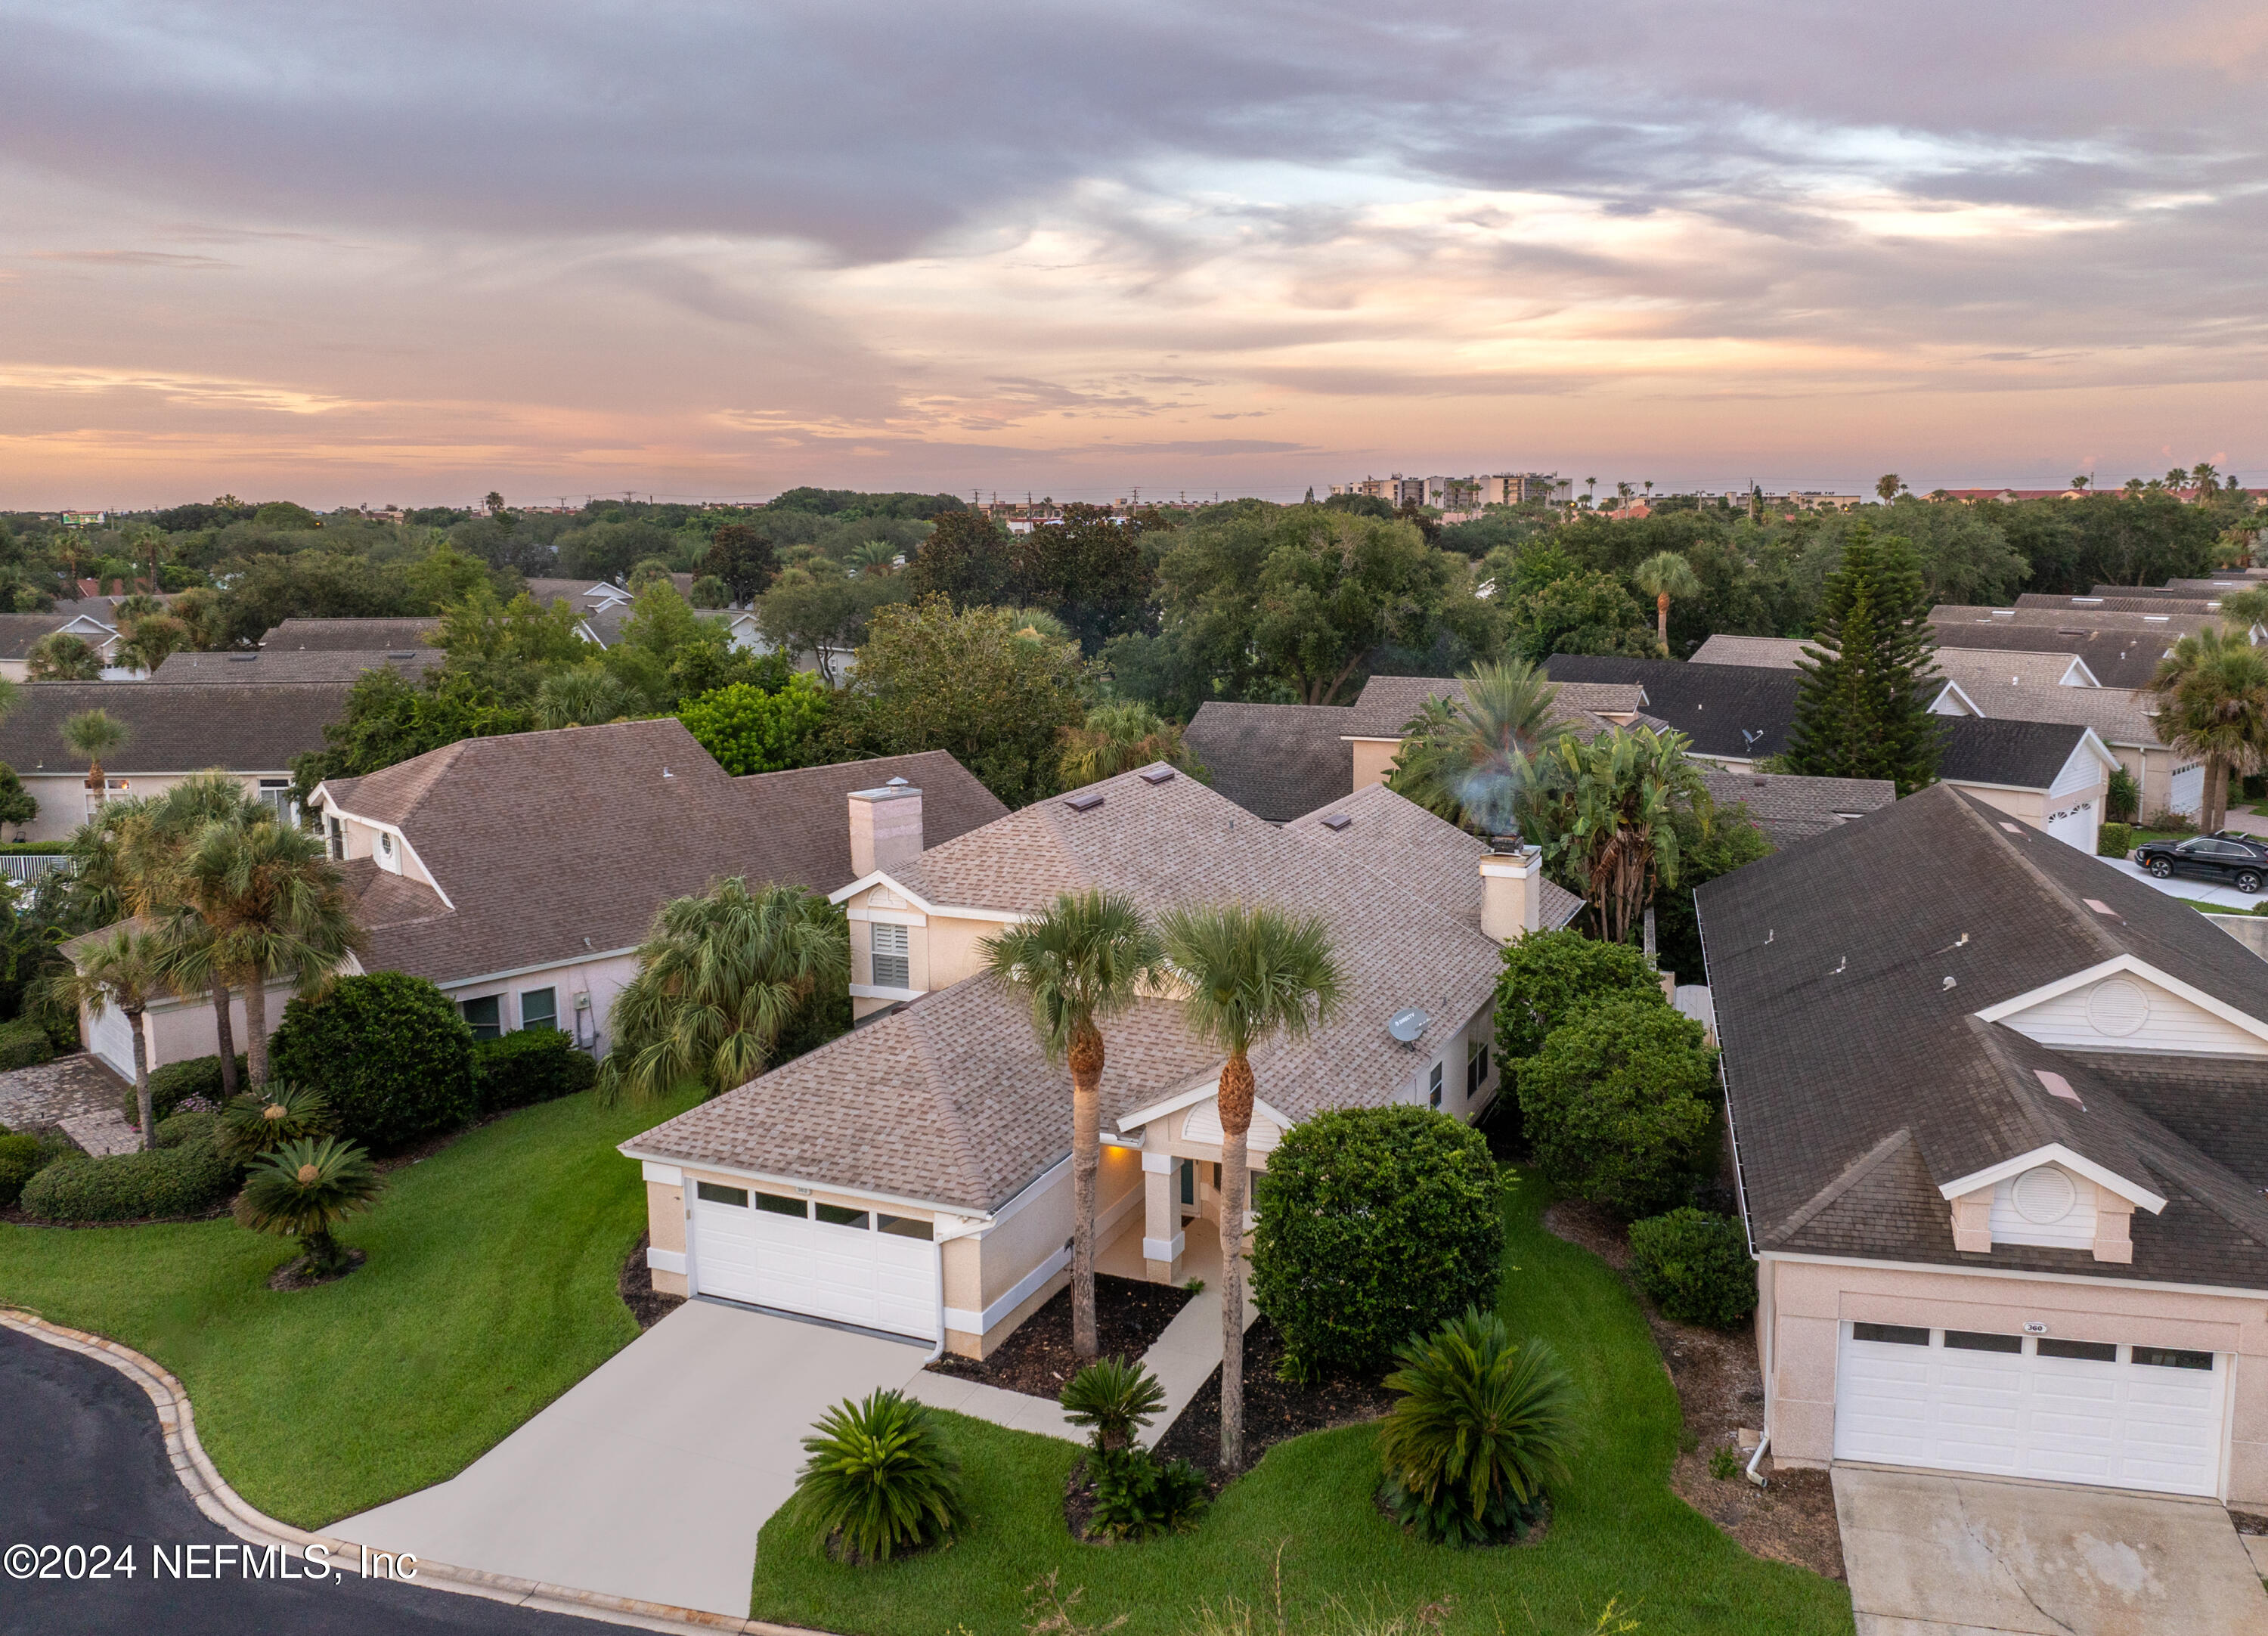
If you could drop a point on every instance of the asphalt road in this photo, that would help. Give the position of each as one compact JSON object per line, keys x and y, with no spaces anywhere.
{"x":83,"y":1464}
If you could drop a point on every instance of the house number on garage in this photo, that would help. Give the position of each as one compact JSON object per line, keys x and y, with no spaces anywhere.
{"x":2035,"y":1329}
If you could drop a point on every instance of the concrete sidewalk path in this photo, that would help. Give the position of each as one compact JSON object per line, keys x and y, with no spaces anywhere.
{"x":652,"y":1477}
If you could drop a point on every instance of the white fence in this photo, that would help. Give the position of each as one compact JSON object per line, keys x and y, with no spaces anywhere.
{"x":29,"y":867}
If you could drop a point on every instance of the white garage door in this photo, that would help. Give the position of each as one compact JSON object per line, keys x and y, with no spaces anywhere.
{"x":2073,"y":823}
{"x":2130,"y":1415}
{"x":2187,"y":794}
{"x":855,"y":1266}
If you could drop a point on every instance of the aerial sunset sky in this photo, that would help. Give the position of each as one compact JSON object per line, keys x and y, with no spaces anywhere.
{"x":407,"y":253}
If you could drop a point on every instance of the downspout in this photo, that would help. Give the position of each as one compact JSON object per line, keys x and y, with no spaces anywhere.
{"x":1756,"y":1459}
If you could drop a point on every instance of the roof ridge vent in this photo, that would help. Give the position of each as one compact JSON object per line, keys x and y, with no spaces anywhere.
{"x":1086,"y":801}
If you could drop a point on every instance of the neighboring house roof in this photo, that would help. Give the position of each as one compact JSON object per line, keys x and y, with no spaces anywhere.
{"x":357,"y":635}
{"x":2199,"y":603}
{"x":2046,"y":668}
{"x":954,"y":1104}
{"x":1425,"y":854}
{"x":1970,"y":666}
{"x":555,"y":846}
{"x":2019,"y":754}
{"x":2118,"y":659}
{"x":1774,"y":652}
{"x":1738,"y":711}
{"x":1862,"y":1080}
{"x":293,"y":664}
{"x":2174,"y":621}
{"x":255,"y":726}
{"x":20,"y":631}
{"x":581,"y":595}
{"x":2119,"y":715}
{"x":1387,"y":704}
{"x":1788,"y":807}
{"x":1275,"y":761}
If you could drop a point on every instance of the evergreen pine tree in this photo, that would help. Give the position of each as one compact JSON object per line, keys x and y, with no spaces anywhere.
{"x":1862,"y":710}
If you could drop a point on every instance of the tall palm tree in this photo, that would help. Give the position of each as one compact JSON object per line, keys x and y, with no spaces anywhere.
{"x":1252,"y":974}
{"x":273,"y":906}
{"x":1477,"y":762}
{"x":1662,"y":576}
{"x":60,"y":656}
{"x":1591,"y":484}
{"x":1117,"y":738}
{"x":1610,"y":821}
{"x":1083,"y":958}
{"x":124,"y":967}
{"x":154,"y":838}
{"x":2212,"y":700}
{"x":719,"y":976}
{"x":94,"y":733}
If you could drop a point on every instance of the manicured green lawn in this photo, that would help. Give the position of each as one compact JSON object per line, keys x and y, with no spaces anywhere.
{"x":1617,"y":1532}
{"x":490,"y":1290}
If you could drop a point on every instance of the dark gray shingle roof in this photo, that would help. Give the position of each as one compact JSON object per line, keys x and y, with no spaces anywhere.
{"x":2026,"y":755}
{"x":254,"y":727}
{"x":1275,"y":761}
{"x":1738,"y":710}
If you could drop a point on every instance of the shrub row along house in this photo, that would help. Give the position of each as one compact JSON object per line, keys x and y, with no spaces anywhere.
{"x":2001,"y":1147}
{"x":914,"y":1175}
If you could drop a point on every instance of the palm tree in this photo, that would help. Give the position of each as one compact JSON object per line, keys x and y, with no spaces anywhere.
{"x":719,"y":976}
{"x":151,"y":640}
{"x":94,"y":733}
{"x":1662,"y":576}
{"x":60,"y":656}
{"x":1252,"y":974}
{"x":305,"y":1189}
{"x":2213,"y":699}
{"x":1083,"y":957}
{"x":273,"y":905}
{"x":153,"y":837}
{"x":1476,"y":763}
{"x":1119,"y":737}
{"x":581,"y":698}
{"x":1591,"y":484}
{"x":1610,"y":822}
{"x":124,"y":967}
{"x":2207,"y":475}
{"x":876,"y":557}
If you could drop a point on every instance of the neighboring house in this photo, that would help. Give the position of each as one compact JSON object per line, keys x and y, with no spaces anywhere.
{"x":2055,"y":776}
{"x":2158,"y":601}
{"x":1769,"y":652}
{"x":2115,"y":658}
{"x":1788,"y":807}
{"x":913,"y":1176}
{"x":1964,"y":665}
{"x":295,"y":665}
{"x":1999,"y":1118}
{"x":349,"y":636}
{"x":20,"y":631}
{"x":1733,"y":714}
{"x":2123,"y":719}
{"x":2175,"y":620}
{"x":251,"y":729}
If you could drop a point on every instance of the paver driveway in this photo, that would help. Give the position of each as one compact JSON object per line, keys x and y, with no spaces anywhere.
{"x":651,"y":1476}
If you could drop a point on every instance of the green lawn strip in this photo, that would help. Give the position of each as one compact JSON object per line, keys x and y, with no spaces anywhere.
{"x":490,"y":1290}
{"x":1617,"y":1532}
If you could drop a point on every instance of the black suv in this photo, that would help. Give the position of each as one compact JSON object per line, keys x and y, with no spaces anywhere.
{"x":2240,"y":859}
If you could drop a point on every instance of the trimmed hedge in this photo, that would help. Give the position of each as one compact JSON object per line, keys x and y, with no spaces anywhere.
{"x":533,"y":1066}
{"x":21,"y":1158}
{"x":1696,"y":1266}
{"x":184,"y":1181}
{"x":185,"y":1127}
{"x":2114,"y":840}
{"x":1376,"y":1224}
{"x":176,"y":1082}
{"x":1621,"y":1104}
{"x":387,"y":1051}
{"x":24,"y":1044}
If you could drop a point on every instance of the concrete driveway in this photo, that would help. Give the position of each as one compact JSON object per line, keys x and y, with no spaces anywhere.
{"x":651,"y":1478}
{"x":2198,"y":891}
{"x":1931,"y":1555}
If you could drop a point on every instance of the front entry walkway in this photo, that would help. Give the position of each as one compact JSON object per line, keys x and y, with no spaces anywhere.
{"x":651,"y":1476}
{"x":1929,"y":1554}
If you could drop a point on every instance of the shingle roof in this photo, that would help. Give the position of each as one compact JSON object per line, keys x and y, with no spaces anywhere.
{"x":544,"y":840}
{"x":18,"y":632}
{"x":581,"y":595}
{"x":2014,"y":669}
{"x":1387,"y":704}
{"x":356,"y":636}
{"x":1771,"y":652}
{"x":2119,"y":658}
{"x":1424,"y":855}
{"x":2126,"y":603}
{"x":1790,"y":808}
{"x":960,"y":1060}
{"x":1740,"y":712}
{"x":1859,"y":1081}
{"x":2173,"y":621}
{"x":2119,"y":715}
{"x":254,"y":727}
{"x":2022,"y":754}
{"x":293,"y":664}
{"x":1275,"y":761}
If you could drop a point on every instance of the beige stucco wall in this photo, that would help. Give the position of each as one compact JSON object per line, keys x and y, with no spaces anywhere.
{"x":62,"y":795}
{"x":1804,"y":1305}
{"x":174,"y":1030}
{"x":1373,"y":759}
{"x":665,"y":1223}
{"x":2023,"y":804}
{"x":987,"y":1267}
{"x":601,"y":980}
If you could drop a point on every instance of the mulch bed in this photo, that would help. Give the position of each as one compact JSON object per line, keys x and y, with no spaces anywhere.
{"x":635,"y":1285}
{"x":1274,"y":1409}
{"x":1036,"y":1359}
{"x":292,"y":1274}
{"x":2247,"y":1522}
{"x":1720,"y":1388}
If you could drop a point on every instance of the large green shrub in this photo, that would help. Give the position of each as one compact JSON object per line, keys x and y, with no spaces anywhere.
{"x":1375,"y":1225}
{"x":748,"y":730}
{"x":2114,"y":840}
{"x":880,"y":1479}
{"x":1620,"y":1104}
{"x":24,"y":1044}
{"x":389,"y":1052}
{"x":1696,"y":1265}
{"x":21,"y":1158}
{"x":1481,"y":1427}
{"x":183,"y":1129}
{"x":533,"y":1066}
{"x":1548,"y":974}
{"x":177,"y":1082}
{"x":183,"y":1181}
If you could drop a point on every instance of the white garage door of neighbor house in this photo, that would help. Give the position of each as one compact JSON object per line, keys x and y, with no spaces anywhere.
{"x":2187,"y":792}
{"x":2072,"y":823}
{"x":855,"y":1266}
{"x":2132,"y":1415}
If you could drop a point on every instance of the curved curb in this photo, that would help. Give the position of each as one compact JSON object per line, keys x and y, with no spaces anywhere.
{"x":231,"y":1511}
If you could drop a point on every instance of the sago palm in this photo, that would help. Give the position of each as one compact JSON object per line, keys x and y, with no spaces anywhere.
{"x":305,"y":1189}
{"x":2211,"y":693}
{"x":1249,"y":974}
{"x":252,"y":1127}
{"x":881,"y":1478}
{"x":1083,"y":958}
{"x":718,"y":977}
{"x":1479,"y":763}
{"x":1662,"y":576}
{"x":1116,"y":1396}
{"x":1481,"y":1427}
{"x":124,"y":967}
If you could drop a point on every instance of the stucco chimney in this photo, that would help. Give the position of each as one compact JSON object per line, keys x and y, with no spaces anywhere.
{"x":886,"y":827}
{"x":1512,"y":888}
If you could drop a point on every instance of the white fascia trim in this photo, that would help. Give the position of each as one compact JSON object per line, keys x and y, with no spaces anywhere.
{"x":2080,"y":664}
{"x":795,"y":1184}
{"x":1195,"y":1095}
{"x":2040,"y":790}
{"x":668,"y":1175}
{"x":1005,"y":917}
{"x":1953,"y":691}
{"x":2054,"y":1153}
{"x":2017,"y":1273}
{"x":888,"y":917}
{"x":1370,"y":738}
{"x":1038,"y":1184}
{"x":2087,"y":736}
{"x":979,"y":1324}
{"x":407,"y":851}
{"x":2126,"y":964}
{"x":873,"y":990}
{"x":583,"y":629}
{"x":664,"y":1260}
{"x":582,"y":959}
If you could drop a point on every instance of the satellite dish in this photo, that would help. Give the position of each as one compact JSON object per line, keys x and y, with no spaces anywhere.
{"x":1406,"y":1026}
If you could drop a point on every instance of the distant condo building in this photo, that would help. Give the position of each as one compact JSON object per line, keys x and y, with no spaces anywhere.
{"x":1464,"y":494}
